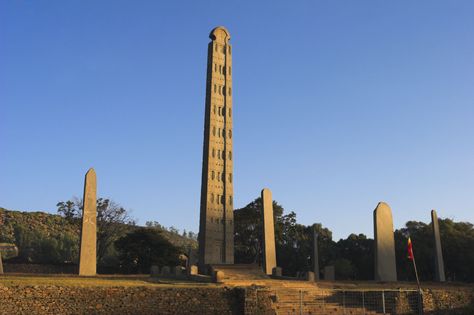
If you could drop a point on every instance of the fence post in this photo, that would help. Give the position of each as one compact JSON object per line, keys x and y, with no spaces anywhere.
{"x":383,"y":301}
{"x":363,"y":302}
{"x":420,"y":302}
{"x":324,"y":300}
{"x":301,"y":302}
{"x":344,"y":301}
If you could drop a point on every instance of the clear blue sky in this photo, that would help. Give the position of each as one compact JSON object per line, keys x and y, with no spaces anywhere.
{"x":337,"y":105}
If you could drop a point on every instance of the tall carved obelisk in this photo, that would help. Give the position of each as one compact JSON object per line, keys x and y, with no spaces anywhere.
{"x":216,"y":229}
{"x":88,"y":254}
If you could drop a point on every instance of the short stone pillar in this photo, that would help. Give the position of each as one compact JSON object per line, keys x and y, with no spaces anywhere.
{"x":329,"y":273}
{"x":191,"y":258}
{"x":269,"y":252}
{"x":218,"y":276}
{"x":277,"y":272}
{"x":384,"y":251}
{"x":165,"y":271}
{"x":438,"y":254}
{"x":154,"y":271}
{"x":88,"y":252}
{"x":192,"y":270}
{"x":310,"y":276}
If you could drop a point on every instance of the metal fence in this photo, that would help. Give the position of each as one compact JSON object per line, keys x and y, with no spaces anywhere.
{"x":338,"y":301}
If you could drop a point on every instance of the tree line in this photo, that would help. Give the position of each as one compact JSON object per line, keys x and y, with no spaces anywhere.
{"x":124,"y":247}
{"x":353,"y":257}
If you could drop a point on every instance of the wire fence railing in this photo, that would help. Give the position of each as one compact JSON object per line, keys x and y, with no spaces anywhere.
{"x":340,"y":301}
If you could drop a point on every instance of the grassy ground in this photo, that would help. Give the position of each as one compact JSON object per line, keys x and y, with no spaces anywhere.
{"x":105,"y":281}
{"x":367,"y":285}
{"x":145,"y":280}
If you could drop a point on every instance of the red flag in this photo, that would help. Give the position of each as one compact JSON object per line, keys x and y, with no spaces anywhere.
{"x":410,"y":250}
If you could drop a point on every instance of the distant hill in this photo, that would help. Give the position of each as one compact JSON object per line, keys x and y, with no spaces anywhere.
{"x":50,"y":225}
{"x":38,"y":229}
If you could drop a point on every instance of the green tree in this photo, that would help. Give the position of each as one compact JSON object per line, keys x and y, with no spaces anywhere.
{"x":113,"y":221}
{"x":69,"y":209}
{"x":248,"y":231}
{"x":144,"y":247}
{"x":358,"y":250}
{"x":293,"y":241}
{"x":457,"y":239}
{"x":345,"y":270}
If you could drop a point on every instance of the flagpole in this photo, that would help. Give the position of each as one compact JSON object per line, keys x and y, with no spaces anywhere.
{"x":416,"y":273}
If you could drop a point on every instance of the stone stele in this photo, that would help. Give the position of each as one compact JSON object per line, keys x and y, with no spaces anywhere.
{"x":216,"y":226}
{"x":88,"y":258}
{"x":439,"y":263}
{"x":385,"y":266}
{"x":315,"y":254}
{"x":269,"y":253}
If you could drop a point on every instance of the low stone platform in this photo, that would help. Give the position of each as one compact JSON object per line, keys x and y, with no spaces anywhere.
{"x":240,"y":272}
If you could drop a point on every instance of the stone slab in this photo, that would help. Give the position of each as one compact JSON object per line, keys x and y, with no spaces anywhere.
{"x":193,"y":270}
{"x":88,"y":252}
{"x":329,"y":273}
{"x":384,"y":251}
{"x":218,"y":276}
{"x":277,"y":272}
{"x":154,"y":271}
{"x":438,"y":253}
{"x":166,"y":271}
{"x":269,"y":252}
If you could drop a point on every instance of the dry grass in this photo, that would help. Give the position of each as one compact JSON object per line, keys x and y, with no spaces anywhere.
{"x":146,"y":281}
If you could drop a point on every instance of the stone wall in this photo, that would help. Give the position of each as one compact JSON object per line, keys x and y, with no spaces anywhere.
{"x":459,"y":301}
{"x":120,"y":300}
{"x":452,"y":301}
{"x":55,"y":299}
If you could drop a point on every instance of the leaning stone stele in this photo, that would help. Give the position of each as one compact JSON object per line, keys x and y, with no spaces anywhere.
{"x":439,"y":263}
{"x":384,"y":244}
{"x":88,"y":254}
{"x":216,"y":226}
{"x":269,"y":252}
